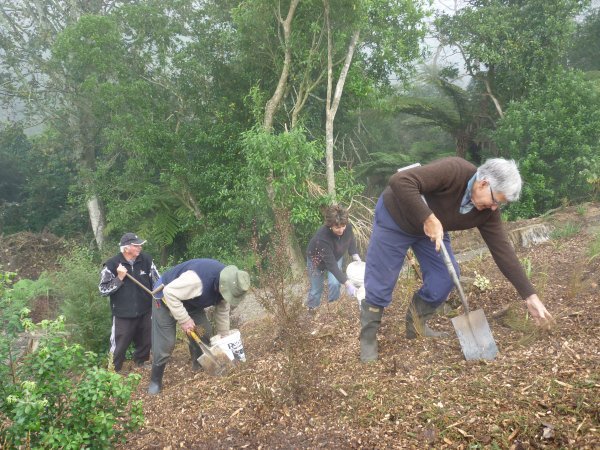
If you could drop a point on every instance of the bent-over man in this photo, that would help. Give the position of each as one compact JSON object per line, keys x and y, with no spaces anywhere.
{"x":417,"y":209}
{"x":189,"y":288}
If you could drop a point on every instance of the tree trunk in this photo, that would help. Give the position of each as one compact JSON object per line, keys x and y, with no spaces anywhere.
{"x":331,"y":105}
{"x":290,"y":242}
{"x":462,"y":141}
{"x":87,"y":163}
{"x":274,"y":102}
{"x":97,"y":220}
{"x":493,"y":97}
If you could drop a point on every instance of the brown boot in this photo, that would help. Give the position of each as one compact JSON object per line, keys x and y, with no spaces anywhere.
{"x":418,"y":313}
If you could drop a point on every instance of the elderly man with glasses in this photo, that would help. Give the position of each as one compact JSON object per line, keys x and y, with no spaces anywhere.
{"x":417,"y":209}
{"x":131,"y":306}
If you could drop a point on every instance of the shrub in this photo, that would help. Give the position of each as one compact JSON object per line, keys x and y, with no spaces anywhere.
{"x":554,"y":136}
{"x":281,"y":295}
{"x":11,"y":308}
{"x":88,"y":315}
{"x":57,"y":398}
{"x":482,"y":282}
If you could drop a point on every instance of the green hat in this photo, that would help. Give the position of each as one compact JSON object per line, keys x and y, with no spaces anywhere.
{"x":233,"y":284}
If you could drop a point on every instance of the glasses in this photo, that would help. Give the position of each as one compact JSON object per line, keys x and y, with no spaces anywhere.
{"x":494,"y":201}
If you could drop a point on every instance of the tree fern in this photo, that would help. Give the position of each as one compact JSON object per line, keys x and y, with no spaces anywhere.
{"x":165,"y":226}
{"x":455,"y":110}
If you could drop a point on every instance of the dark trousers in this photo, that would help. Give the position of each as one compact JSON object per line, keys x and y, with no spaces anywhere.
{"x":127,"y":330}
{"x":385,"y":255}
{"x":164,"y":333}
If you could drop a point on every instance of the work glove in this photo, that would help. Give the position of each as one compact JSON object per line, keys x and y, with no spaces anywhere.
{"x":356,"y":258}
{"x":350,"y":289}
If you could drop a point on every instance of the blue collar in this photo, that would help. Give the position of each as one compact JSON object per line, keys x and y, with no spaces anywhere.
{"x":466,"y":205}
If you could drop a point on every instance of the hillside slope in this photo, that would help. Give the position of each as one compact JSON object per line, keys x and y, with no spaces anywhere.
{"x":304,"y":387}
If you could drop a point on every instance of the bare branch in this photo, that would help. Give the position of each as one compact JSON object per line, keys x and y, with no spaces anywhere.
{"x":493,"y":97}
{"x":275,"y":100}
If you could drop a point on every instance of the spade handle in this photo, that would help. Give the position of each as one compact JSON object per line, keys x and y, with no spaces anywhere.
{"x":454,"y":277}
{"x":158,"y":289}
{"x":452,"y":272}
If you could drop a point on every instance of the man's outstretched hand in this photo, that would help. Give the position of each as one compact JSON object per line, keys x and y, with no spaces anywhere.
{"x":538,"y":311}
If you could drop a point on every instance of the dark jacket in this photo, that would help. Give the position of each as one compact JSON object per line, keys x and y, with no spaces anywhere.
{"x":128,"y":300}
{"x":443,"y":184}
{"x":209,"y":272}
{"x":326,"y":248}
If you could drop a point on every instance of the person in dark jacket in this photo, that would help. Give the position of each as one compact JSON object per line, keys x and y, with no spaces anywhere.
{"x":325,"y":255}
{"x":417,"y":209}
{"x":189,"y":288}
{"x":131,"y":306}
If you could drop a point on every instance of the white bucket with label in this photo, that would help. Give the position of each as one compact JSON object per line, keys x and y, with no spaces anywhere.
{"x":231,"y":343}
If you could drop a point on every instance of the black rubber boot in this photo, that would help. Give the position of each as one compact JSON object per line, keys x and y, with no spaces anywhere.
{"x":370,"y":321}
{"x":156,"y":379}
{"x":418,"y":313}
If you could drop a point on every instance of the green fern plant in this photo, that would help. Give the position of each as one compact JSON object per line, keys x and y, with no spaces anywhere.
{"x":165,"y":227}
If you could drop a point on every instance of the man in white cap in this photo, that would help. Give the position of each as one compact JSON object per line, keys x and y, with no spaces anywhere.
{"x":189,"y":288}
{"x":131,"y":307}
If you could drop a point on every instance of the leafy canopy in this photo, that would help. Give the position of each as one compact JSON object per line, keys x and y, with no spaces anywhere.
{"x":554,"y":136}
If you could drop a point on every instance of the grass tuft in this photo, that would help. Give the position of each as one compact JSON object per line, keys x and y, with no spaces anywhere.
{"x":568,"y":230}
{"x":594,"y":250}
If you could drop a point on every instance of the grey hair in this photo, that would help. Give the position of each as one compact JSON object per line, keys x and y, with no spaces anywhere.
{"x":503,"y":176}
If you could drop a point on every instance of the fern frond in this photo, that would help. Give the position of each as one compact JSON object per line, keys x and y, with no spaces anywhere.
{"x":166,"y":225}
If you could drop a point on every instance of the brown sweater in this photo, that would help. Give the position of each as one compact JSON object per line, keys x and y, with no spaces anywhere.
{"x":443,"y":184}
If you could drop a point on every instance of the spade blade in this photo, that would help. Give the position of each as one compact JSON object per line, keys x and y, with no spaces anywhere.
{"x":475,"y":336}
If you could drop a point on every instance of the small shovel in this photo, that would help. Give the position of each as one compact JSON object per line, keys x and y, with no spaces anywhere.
{"x":472,"y":327}
{"x":214,"y":360}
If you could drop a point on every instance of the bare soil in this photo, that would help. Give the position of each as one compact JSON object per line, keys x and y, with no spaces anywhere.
{"x":29,"y":254}
{"x":541,"y":391}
